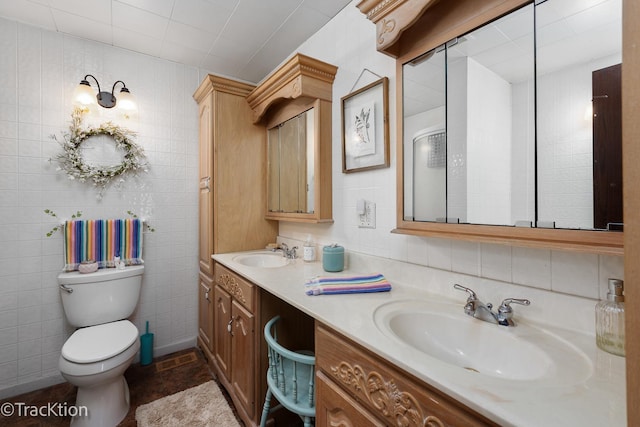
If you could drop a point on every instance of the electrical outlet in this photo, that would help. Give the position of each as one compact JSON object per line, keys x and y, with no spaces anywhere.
{"x":368,"y":219}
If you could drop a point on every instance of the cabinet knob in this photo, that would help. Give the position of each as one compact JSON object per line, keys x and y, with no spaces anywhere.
{"x":229,"y":327}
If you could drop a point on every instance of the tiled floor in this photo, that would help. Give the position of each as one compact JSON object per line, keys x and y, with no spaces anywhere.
{"x":146,"y":384}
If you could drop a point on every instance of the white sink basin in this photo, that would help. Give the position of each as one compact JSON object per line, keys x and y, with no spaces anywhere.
{"x":521,"y":353}
{"x":262,"y":259}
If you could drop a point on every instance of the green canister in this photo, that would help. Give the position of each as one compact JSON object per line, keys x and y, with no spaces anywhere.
{"x":333,"y":258}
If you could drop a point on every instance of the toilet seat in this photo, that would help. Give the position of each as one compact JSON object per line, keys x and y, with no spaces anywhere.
{"x":101,"y":342}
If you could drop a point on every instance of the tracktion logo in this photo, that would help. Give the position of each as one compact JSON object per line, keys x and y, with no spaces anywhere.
{"x":52,"y":409}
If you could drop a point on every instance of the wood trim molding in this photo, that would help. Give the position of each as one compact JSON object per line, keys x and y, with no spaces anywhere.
{"x":230,"y":284}
{"x":384,"y":395}
{"x":392,"y":17}
{"x":631,"y":197}
{"x":301,"y":76}
{"x":211,"y":82}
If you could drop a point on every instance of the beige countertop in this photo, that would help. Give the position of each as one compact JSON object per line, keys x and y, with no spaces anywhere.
{"x":594,"y":398}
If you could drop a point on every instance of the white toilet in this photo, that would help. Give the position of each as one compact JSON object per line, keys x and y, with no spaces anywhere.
{"x":96,"y":355}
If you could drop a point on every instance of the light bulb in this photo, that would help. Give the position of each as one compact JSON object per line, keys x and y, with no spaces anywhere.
{"x":126,"y":101}
{"x":84,"y":95}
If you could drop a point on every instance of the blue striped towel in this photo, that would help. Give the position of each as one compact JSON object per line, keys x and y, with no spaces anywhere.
{"x":327,"y":285}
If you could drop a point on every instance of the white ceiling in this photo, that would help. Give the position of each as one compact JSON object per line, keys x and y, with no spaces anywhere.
{"x":245,"y":39}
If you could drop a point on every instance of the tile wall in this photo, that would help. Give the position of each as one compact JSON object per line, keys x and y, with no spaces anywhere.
{"x":38,"y":72}
{"x":348,"y":41}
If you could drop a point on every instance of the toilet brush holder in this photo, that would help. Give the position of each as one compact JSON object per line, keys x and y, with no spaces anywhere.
{"x":146,"y":347}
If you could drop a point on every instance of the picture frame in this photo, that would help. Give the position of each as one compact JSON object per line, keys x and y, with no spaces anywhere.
{"x":365,"y":127}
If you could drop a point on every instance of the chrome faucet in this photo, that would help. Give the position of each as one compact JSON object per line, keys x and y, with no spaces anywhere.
{"x":476,"y":308}
{"x":286,"y":252}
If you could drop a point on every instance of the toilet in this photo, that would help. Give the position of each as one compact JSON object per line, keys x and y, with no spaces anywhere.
{"x":96,"y":355}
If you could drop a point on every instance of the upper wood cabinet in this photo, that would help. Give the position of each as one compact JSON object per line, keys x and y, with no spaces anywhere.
{"x":294,"y":105}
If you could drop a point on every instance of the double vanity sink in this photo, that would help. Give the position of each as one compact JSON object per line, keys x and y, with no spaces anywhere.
{"x":526,"y":375}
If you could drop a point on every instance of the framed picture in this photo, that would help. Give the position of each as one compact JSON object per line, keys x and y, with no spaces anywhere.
{"x":365,"y":128}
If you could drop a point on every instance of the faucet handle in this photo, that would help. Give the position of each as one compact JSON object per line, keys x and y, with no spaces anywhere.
{"x":506,"y":307}
{"x":472,"y":295}
{"x":505,"y":312}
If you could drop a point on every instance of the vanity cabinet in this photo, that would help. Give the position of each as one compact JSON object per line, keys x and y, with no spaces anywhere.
{"x":235,"y":337}
{"x":232,"y":172}
{"x":240,"y":361}
{"x":205,"y":311}
{"x":355,"y":388}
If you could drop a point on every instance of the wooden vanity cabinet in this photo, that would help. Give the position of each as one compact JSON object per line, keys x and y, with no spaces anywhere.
{"x":236,"y":338}
{"x":355,"y":388}
{"x":240,"y":361}
{"x":205,"y":311}
{"x":231,"y":190}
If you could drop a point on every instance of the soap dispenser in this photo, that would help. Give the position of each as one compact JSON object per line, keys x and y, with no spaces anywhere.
{"x":309,"y":250}
{"x":610,"y":319}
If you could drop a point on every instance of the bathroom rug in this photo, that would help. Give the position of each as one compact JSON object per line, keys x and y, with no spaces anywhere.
{"x":199,"y":406}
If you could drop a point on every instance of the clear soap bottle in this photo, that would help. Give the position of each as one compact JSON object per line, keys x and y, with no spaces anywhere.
{"x":610,"y":319}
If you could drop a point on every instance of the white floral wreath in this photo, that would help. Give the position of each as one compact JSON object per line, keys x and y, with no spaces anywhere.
{"x":72,"y":162}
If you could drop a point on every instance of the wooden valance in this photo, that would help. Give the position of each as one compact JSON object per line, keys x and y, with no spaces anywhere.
{"x":301,"y":76}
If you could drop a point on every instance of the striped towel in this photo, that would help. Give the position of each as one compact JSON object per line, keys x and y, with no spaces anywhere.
{"x":101,"y":240}
{"x":347,"y":285}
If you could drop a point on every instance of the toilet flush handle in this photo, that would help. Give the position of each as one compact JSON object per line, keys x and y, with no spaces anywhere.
{"x":66,"y":289}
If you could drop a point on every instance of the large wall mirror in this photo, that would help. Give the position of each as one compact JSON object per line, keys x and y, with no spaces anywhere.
{"x":517,"y":123}
{"x":291,"y":165}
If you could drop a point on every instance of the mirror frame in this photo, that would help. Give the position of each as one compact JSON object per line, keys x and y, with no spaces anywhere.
{"x":432,"y":26}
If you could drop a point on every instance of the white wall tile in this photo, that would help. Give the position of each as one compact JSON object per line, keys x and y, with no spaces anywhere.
{"x":574,"y":273}
{"x":39,"y":71}
{"x":531,"y":267}
{"x":496,"y":262}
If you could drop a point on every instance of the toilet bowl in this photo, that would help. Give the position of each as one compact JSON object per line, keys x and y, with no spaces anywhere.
{"x":95,"y":357}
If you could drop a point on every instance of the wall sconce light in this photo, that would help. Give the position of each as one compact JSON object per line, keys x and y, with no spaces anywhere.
{"x":85,"y":96}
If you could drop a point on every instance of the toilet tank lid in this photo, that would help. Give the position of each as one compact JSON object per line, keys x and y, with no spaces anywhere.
{"x":102,"y":275}
{"x":100,"y":342}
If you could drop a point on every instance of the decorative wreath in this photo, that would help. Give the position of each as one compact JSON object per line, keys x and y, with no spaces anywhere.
{"x":72,"y":162}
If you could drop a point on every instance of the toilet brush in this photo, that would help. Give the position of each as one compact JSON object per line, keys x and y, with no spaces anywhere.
{"x":146,"y":347}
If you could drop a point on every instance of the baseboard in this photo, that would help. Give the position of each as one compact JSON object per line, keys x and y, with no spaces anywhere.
{"x":29,"y":386}
{"x":172,"y":348}
{"x":44,"y":382}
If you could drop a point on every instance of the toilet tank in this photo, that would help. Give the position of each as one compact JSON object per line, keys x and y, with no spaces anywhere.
{"x":106,"y":295}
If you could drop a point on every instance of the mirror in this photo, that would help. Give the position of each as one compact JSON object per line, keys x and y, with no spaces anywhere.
{"x":291,"y":165}
{"x":494,"y":128}
{"x":579,"y":49}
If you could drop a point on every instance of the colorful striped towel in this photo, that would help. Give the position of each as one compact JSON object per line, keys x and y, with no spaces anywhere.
{"x":101,"y":240}
{"x":328,"y":285}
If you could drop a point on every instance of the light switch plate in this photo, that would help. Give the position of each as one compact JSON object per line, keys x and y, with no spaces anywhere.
{"x":368,"y":219}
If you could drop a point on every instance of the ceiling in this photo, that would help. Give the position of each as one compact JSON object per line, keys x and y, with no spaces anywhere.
{"x":245,"y":39}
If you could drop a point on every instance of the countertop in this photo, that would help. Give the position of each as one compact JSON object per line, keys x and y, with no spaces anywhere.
{"x":595,"y":399}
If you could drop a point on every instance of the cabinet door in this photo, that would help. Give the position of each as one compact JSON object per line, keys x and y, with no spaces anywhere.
{"x":222,"y":337}
{"x":206,"y":193}
{"x":205,"y":312}
{"x":335,"y":408}
{"x":243,"y":353}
